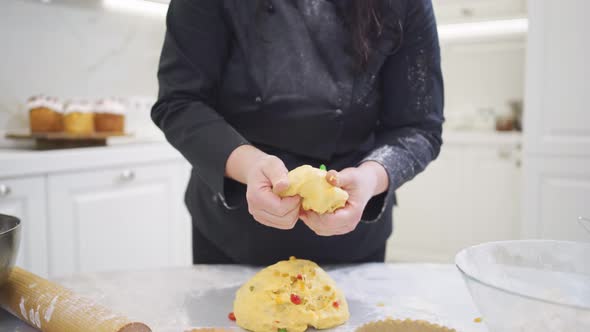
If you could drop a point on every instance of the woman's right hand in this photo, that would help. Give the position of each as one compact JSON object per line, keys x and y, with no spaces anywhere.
{"x":265,"y":179}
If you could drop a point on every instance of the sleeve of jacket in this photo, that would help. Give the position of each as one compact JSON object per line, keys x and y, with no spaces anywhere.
{"x":410,"y":129}
{"x":195,"y":51}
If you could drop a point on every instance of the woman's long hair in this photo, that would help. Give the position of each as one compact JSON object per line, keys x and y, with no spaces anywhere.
{"x":365,"y":20}
{"x":366,"y":25}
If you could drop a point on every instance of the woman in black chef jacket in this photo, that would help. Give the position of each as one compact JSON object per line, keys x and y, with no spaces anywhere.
{"x":251,"y":89}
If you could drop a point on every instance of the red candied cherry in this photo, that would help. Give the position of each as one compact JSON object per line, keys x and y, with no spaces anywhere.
{"x":295,"y":299}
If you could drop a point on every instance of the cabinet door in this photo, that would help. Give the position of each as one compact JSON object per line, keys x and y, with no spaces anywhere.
{"x":557,"y":193}
{"x":467,"y":196}
{"x":557,"y":120}
{"x":557,"y":114}
{"x":183,"y":227}
{"x":113,"y":219}
{"x":25,"y":198}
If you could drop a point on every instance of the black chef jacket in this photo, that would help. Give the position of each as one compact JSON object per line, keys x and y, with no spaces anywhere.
{"x":283,"y":78}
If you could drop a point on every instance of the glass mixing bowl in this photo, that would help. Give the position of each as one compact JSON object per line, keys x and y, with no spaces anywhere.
{"x":533,"y":285}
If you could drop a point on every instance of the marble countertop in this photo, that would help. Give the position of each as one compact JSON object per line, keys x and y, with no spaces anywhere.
{"x":17,"y":162}
{"x":178,"y":299}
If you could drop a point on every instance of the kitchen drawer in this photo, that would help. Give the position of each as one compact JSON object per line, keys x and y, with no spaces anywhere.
{"x":119,"y":218}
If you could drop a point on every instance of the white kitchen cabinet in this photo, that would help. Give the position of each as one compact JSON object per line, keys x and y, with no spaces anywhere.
{"x":25,"y":198}
{"x":557,"y":115}
{"x":469,"y":195}
{"x":119,"y":218}
{"x":183,"y":241}
{"x":557,"y":120}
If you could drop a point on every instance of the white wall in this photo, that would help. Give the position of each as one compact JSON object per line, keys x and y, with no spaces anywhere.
{"x":74,"y":49}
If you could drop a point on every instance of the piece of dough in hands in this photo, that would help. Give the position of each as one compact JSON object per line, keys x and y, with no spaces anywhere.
{"x":316,"y":192}
{"x":290,"y":295}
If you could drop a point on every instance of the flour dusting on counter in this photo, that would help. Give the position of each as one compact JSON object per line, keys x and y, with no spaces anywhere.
{"x":180,"y":299}
{"x":172,"y":292}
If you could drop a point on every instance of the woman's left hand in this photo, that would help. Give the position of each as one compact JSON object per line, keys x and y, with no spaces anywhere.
{"x":361,"y":183}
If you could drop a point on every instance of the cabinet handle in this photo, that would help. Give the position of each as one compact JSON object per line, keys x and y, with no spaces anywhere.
{"x":4,"y":190}
{"x":127,"y":175}
{"x":504,"y":153}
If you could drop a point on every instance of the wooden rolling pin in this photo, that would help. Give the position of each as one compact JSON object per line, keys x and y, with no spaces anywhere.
{"x":52,"y":308}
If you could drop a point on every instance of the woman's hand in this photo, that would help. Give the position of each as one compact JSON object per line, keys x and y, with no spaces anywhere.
{"x":265,"y":179}
{"x":361,"y":183}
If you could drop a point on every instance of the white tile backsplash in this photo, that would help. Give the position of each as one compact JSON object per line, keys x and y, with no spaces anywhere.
{"x":76,"y":49}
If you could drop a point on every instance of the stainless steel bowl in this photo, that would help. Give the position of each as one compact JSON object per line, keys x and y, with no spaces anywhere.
{"x":9,"y":243}
{"x":534,"y":285}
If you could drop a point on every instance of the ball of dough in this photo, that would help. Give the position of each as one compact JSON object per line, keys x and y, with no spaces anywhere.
{"x":316,"y":192}
{"x":290,"y":295}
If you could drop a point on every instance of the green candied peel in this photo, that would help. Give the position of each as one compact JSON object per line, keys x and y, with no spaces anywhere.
{"x":323,"y":167}
{"x":281,"y":330}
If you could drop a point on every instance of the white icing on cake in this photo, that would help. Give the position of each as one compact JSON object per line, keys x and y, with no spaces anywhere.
{"x":53,"y":103}
{"x":81,"y":106}
{"x":110,"y":105}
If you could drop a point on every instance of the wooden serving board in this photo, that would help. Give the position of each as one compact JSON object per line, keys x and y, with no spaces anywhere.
{"x":62,"y":140}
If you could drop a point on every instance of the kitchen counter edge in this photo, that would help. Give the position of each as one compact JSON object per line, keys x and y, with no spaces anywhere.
{"x":18,"y":163}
